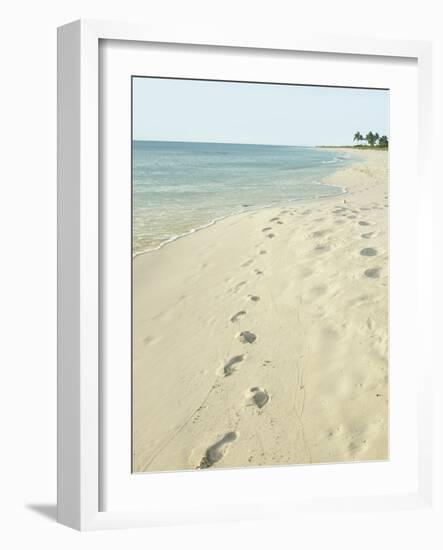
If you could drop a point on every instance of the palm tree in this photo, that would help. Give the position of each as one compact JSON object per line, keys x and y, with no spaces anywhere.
{"x":376,"y":137}
{"x":370,"y":138}
{"x":383,"y":141}
{"x":358,"y":137}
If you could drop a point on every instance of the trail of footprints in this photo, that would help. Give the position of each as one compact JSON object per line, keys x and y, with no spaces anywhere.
{"x":372,"y":272}
{"x":256,"y":396}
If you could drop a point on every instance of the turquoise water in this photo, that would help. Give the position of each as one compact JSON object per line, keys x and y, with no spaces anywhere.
{"x":179,"y":187}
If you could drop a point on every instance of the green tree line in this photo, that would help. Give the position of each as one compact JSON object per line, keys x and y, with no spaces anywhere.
{"x":371,"y":139}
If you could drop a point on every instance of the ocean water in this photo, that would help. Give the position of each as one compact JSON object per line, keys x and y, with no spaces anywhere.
{"x":180,"y":187}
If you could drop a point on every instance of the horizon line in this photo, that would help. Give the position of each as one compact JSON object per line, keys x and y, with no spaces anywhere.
{"x":236,"y":143}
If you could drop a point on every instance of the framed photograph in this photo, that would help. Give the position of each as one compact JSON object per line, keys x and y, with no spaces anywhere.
{"x":239,"y":224}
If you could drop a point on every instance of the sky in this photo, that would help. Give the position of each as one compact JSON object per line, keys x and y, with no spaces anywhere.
{"x":238,"y":112}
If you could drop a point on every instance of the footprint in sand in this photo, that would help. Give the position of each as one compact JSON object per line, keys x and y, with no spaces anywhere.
{"x":262,"y":252}
{"x":373,"y":272}
{"x":368,"y":252}
{"x":237,"y":316}
{"x":266,"y":229}
{"x":320,"y":233}
{"x":258,"y":272}
{"x":280,"y":223}
{"x":257,"y":396}
{"x":274,"y":219}
{"x":247,"y":337}
{"x":318,"y":290}
{"x":229,"y":368}
{"x":238,"y":286}
{"x":306,"y":272}
{"x":216,"y":452}
{"x":270,"y":235}
{"x":245,"y":264}
{"x":254,"y":298}
{"x":322,"y":248}
{"x":366,"y":235}
{"x":364,"y":223}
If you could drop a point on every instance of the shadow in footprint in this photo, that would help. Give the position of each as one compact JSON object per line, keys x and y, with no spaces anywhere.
{"x":216,"y":452}
{"x":319,"y":233}
{"x":270,"y":235}
{"x":373,"y":272}
{"x":364,"y":223}
{"x":247,"y":337}
{"x":237,"y":316}
{"x":254,"y":298}
{"x":258,"y":397}
{"x":322,"y":248}
{"x":366,"y":235}
{"x":229,"y":368}
{"x":368,"y":252}
{"x":238,"y":286}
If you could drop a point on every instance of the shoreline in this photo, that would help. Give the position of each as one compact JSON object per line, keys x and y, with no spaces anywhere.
{"x":255,"y":209}
{"x":232,"y":214}
{"x":263,"y":339}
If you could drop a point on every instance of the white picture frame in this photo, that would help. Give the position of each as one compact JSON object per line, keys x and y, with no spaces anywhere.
{"x":79,"y":270}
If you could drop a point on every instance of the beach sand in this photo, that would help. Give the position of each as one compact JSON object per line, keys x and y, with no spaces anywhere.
{"x":262,"y":339}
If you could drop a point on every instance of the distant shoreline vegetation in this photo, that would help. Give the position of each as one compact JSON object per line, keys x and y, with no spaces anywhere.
{"x":370,"y":141}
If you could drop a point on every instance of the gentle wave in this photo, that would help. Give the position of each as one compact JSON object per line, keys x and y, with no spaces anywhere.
{"x":339,"y":158}
{"x":174,"y":238}
{"x":335,"y":160}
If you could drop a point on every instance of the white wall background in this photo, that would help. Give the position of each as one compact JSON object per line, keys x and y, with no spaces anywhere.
{"x":28,"y":266}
